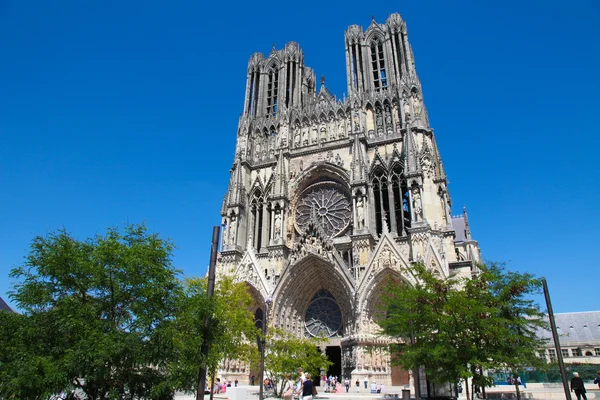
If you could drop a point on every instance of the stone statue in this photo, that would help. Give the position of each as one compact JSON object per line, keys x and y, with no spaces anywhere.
{"x":356,"y":121}
{"x":388,"y":118}
{"x":360,"y":213}
{"x":416,"y":198}
{"x":277,"y":224}
{"x":338,"y":160}
{"x":416,"y":104}
{"x":296,"y":136}
{"x":305,"y":136}
{"x":314,"y":136}
{"x":378,"y":118}
{"x":225,"y":236}
{"x":427,"y":166}
{"x":341,"y":132}
{"x":232,"y":229}
{"x":406,"y":109}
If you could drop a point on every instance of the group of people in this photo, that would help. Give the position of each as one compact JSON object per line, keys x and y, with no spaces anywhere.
{"x":219,"y":387}
{"x":303,"y":388}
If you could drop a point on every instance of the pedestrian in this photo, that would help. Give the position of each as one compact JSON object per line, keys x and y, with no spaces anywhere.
{"x":374,"y":387}
{"x":307,"y":388}
{"x":252,"y":378}
{"x":366,"y":382}
{"x":597,"y":380}
{"x":236,"y":382}
{"x":383,"y":388}
{"x":578,"y":386}
{"x":357,"y":386}
{"x":288,"y":387}
{"x":300,"y":382}
{"x":347,"y":384}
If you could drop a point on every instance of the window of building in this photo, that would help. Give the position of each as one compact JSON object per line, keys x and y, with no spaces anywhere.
{"x":576,"y":352}
{"x":272,"y":88}
{"x":552,"y":355}
{"x":378,"y":66}
{"x":564,"y":352}
{"x":597,"y":351}
{"x":256,"y":211}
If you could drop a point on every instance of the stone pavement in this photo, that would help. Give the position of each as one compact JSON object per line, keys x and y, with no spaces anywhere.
{"x":534,"y":391}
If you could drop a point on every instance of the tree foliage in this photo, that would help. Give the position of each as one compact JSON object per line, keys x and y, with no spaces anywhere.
{"x":108,"y":316}
{"x":286,"y":352}
{"x":101,"y":311}
{"x":461,"y":326}
{"x":224,"y":320}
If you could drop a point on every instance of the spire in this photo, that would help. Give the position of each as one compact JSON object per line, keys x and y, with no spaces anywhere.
{"x":236,"y":194}
{"x":358,"y":167}
{"x":410,"y":153}
{"x":467,"y":228}
{"x":281,"y":178}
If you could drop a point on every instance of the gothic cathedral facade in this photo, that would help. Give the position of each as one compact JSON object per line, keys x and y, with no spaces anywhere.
{"x":329,"y":198}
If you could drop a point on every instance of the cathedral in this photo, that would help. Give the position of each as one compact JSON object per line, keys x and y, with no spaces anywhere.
{"x":329,"y":199}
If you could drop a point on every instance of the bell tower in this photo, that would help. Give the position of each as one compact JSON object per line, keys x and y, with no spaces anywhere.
{"x":330,"y":198}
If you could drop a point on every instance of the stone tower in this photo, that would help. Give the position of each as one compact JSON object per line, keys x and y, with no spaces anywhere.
{"x":328,"y":198}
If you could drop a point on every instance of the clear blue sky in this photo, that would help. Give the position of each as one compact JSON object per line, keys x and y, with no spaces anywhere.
{"x":126,"y":111}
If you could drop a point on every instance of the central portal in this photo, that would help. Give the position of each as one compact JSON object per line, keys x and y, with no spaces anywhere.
{"x":334,"y":354}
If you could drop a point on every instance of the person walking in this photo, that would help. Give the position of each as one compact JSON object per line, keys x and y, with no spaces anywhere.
{"x":347,"y":384}
{"x":578,"y":387}
{"x":366,"y":382}
{"x":597,"y":380}
{"x":307,"y":388}
{"x":288,"y":387}
{"x":357,"y":386}
{"x":301,"y":379}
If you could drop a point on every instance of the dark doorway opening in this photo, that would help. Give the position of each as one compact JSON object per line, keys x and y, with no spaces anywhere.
{"x":334,"y":354}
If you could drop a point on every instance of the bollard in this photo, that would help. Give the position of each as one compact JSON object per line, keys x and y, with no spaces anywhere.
{"x":405,"y":394}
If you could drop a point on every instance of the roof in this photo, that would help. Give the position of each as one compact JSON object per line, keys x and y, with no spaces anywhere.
{"x":4,"y":306}
{"x":458,"y":223}
{"x":576,"y":327}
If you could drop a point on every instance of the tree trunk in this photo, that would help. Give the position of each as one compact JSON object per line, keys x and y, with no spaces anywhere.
{"x":517,"y":387}
{"x":467,"y":392}
{"x":482,"y":386}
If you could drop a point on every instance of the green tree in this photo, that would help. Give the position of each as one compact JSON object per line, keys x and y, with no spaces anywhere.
{"x":104,"y":307}
{"x":224,"y":320}
{"x":286,"y":352}
{"x":460,"y":327}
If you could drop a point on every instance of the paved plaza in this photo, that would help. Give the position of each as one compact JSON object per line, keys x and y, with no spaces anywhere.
{"x":534,"y":391}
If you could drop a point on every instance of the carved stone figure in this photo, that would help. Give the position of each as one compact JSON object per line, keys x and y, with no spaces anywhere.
{"x":417,"y":206}
{"x":427,"y":166}
{"x":406,"y":109}
{"x":296,"y":136}
{"x":277,"y":224}
{"x":315,"y":136}
{"x":305,"y":136}
{"x":232,"y":229}
{"x":378,"y":118}
{"x":338,"y":160}
{"x":341,"y":132}
{"x":356,"y":122}
{"x":360,"y":213}
{"x":416,"y":104}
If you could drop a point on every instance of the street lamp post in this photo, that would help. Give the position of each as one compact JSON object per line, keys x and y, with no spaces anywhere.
{"x":262,"y":349}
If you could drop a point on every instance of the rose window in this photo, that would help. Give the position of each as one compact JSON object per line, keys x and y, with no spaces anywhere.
{"x":323,"y":316}
{"x":326,"y":204}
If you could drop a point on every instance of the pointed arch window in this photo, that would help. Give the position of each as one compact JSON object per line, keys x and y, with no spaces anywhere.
{"x":378,"y":66}
{"x":272,"y":88}
{"x":381,"y":199}
{"x":400,"y":198}
{"x":257,"y":215}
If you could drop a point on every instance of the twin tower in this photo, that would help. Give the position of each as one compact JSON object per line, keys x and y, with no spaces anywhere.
{"x":328,"y":198}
